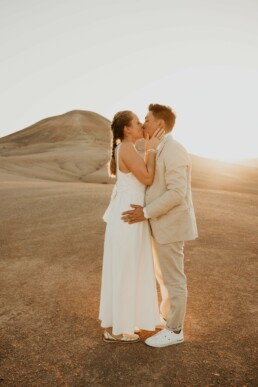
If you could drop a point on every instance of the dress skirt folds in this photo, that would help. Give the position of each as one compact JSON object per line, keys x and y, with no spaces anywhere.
{"x":128,"y":290}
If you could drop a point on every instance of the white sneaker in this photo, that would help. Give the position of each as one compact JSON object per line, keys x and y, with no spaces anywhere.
{"x":165,"y":338}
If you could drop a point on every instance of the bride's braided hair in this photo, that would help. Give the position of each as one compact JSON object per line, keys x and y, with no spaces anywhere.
{"x":120,"y":120}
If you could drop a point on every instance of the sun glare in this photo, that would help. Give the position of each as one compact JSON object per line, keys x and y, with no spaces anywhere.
{"x":216,"y":117}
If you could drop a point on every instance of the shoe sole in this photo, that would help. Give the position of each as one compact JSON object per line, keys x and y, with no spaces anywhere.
{"x":120,"y":341}
{"x":164,"y":345}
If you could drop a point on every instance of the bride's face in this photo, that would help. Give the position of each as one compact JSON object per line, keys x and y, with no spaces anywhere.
{"x":135,"y":129}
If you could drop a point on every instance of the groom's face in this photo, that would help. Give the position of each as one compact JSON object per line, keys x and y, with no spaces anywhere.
{"x":150,"y":124}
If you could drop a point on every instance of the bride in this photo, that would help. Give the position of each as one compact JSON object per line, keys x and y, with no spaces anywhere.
{"x":128,"y":290}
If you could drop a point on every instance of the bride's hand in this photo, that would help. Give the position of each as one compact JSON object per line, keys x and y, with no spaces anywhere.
{"x":155,"y":139}
{"x":147,"y":139}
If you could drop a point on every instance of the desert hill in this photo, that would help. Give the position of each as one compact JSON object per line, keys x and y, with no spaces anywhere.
{"x":224,"y":176}
{"x":74,"y":147}
{"x":69,"y":147}
{"x":73,"y":125}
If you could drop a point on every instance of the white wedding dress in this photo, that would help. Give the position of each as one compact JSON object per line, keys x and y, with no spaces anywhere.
{"x":128,"y":290}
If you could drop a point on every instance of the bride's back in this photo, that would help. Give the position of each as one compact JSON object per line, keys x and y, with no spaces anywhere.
{"x":126,"y":180}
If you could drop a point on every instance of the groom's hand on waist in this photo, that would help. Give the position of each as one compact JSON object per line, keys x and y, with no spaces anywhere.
{"x":134,"y":216}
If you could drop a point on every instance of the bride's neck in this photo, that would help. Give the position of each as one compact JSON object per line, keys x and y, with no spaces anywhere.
{"x":130,"y":140}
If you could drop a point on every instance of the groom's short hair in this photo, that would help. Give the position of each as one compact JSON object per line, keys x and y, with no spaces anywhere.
{"x":164,"y":113}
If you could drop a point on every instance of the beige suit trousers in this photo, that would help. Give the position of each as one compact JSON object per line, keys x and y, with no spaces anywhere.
{"x":169,"y":270}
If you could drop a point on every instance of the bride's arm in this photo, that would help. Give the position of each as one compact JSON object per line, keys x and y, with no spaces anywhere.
{"x":143,"y":170}
{"x":135,"y":164}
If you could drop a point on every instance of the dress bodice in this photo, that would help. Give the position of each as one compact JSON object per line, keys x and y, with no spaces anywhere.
{"x":127,"y":190}
{"x":127,"y":181}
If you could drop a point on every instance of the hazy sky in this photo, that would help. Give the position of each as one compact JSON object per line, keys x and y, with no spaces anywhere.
{"x":198,"y":56}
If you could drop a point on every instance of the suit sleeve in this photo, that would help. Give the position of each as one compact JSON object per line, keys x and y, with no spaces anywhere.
{"x":177,"y":163}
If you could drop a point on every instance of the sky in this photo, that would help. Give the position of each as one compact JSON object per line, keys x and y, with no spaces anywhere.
{"x":198,"y":56}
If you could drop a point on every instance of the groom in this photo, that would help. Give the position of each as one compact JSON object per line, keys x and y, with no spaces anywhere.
{"x":170,"y":211}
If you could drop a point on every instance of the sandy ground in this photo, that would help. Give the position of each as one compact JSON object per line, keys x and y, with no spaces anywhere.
{"x":51,"y":242}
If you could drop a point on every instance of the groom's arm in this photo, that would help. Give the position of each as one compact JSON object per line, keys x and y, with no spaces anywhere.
{"x":176,"y":165}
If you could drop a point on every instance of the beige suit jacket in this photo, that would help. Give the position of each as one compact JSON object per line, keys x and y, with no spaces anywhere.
{"x":169,"y":199}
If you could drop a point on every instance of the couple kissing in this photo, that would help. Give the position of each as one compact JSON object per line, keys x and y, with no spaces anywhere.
{"x":149,"y":217}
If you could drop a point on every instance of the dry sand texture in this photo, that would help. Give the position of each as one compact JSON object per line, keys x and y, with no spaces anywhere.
{"x":51,"y":241}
